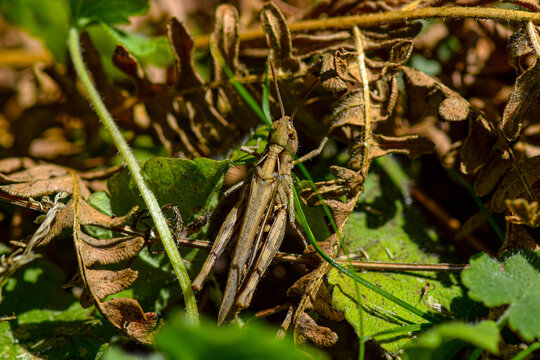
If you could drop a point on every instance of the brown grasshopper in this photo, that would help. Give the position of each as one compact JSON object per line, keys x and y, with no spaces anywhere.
{"x":262,"y":226}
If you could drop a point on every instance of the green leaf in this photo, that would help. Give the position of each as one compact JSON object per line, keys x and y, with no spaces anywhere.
{"x":116,"y":353}
{"x":191,"y":185}
{"x":50,"y":323}
{"x":389,"y":230}
{"x":148,"y":50}
{"x":179,"y":341}
{"x":110,"y":12}
{"x":515,"y":282}
{"x":101,"y":201}
{"x":47,"y":20}
{"x":440,"y":342}
{"x":158,"y":288}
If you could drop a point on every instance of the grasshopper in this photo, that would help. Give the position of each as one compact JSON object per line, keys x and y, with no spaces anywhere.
{"x":264,"y":220}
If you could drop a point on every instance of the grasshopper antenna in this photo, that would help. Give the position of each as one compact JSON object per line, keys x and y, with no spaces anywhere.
{"x":277,"y":90}
{"x":304,"y":99}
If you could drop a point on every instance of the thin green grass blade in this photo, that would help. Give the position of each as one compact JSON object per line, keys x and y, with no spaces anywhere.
{"x":401,"y":330}
{"x":266,"y":94}
{"x":244,"y":93}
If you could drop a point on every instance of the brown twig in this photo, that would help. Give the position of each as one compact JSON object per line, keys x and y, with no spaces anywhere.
{"x":383,"y":18}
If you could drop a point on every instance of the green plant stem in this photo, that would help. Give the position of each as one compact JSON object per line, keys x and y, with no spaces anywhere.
{"x":135,"y":170}
{"x":382,"y":18}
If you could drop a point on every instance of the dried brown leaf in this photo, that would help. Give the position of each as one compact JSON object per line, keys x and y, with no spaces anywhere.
{"x":526,"y":90}
{"x":454,"y":109}
{"x":348,"y":183}
{"x":108,"y":282}
{"x":419,"y":79}
{"x":39,"y":181}
{"x":225,"y":36}
{"x":194,"y":117}
{"x":311,"y":44}
{"x":476,"y":148}
{"x":109,"y":251}
{"x":14,"y":164}
{"x":494,"y":168}
{"x":411,"y":145}
{"x":278,"y":38}
{"x":512,"y":187}
{"x":182,"y":45}
{"x":98,"y":283}
{"x":523,"y":212}
{"x":308,"y":330}
{"x":518,"y":45}
{"x":517,"y":237}
{"x":126,"y":314}
{"x":330,"y":80}
{"x":87,"y":215}
{"x":39,"y":172}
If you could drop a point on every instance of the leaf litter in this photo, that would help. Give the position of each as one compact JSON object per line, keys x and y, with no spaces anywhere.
{"x":478,"y":121}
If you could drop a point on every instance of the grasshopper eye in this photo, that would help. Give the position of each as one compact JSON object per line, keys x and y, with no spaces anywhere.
{"x":291,"y":130}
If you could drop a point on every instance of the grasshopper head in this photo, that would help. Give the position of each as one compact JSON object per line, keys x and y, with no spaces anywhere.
{"x":284,"y":134}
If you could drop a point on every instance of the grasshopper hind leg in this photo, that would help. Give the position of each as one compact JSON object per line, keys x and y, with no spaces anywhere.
{"x":266,"y":256}
{"x":223,"y":238}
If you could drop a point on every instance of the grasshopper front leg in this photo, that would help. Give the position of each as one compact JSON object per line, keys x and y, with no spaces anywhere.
{"x":312,"y":153}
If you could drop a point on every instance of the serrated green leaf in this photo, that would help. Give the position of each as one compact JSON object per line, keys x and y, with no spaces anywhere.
{"x":50,"y":323}
{"x":440,"y":342}
{"x":497,"y":284}
{"x":523,"y":316}
{"x":110,"y":12}
{"x":191,"y":185}
{"x":47,"y":20}
{"x":515,"y":282}
{"x":179,"y":341}
{"x":388,"y":229}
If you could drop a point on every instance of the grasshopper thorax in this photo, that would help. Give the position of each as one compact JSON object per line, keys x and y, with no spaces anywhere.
{"x":283,"y":134}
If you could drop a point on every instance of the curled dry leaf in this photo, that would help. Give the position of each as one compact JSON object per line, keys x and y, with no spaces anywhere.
{"x":308,"y":330}
{"x":278,"y":37}
{"x":321,"y":302}
{"x":349,"y":125}
{"x":495,"y":167}
{"x":225,"y":38}
{"x":517,"y":237}
{"x":335,"y":71}
{"x":124,"y":314}
{"x":526,"y":90}
{"x":348,"y":182}
{"x":39,"y":181}
{"x":475,"y":148}
{"x":519,"y":44}
{"x":523,"y":212}
{"x":512,"y":186}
